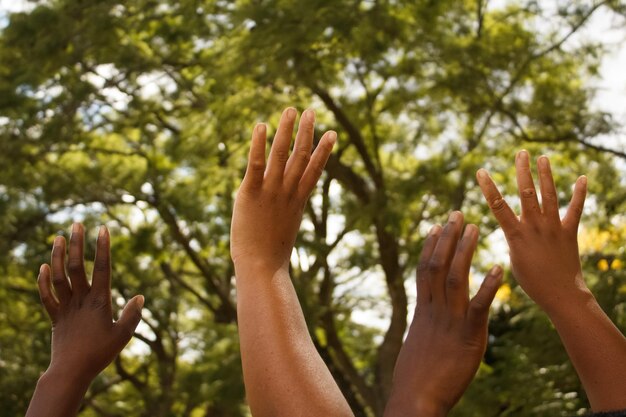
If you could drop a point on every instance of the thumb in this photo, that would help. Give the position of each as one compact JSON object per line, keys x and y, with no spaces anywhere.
{"x":129,"y":319}
{"x":478,"y":311}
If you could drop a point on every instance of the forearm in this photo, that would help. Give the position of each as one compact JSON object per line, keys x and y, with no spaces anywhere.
{"x":283,"y":373}
{"x":596,"y":348}
{"x":408,"y":398}
{"x":400,"y":405}
{"x":57,"y":394}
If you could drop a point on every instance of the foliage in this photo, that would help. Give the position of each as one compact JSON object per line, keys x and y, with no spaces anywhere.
{"x":137,"y":114}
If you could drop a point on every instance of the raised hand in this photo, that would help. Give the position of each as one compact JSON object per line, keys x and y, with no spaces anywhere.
{"x":544,"y":249}
{"x":283,"y":373}
{"x":448,"y":335}
{"x":545,"y":262}
{"x":85,"y":339}
{"x":270,"y":202}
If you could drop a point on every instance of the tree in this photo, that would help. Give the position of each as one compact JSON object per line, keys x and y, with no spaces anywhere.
{"x":138,"y":114}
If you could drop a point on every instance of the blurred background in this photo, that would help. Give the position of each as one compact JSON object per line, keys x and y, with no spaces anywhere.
{"x":137,"y":114}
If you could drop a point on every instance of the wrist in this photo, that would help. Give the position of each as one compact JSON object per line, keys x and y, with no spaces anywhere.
{"x":566,"y":304}
{"x":64,"y":377}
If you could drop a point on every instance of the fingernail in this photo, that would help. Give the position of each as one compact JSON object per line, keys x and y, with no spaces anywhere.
{"x":102,"y":232}
{"x":454,"y":217}
{"x":543,"y":161}
{"x":57,"y":241}
{"x":140,"y":301}
{"x":523,"y":155}
{"x":482,"y":173}
{"x":309,"y":115}
{"x":291,"y":112}
{"x":583,"y":179}
{"x":435,"y":230}
{"x":469,"y":231}
{"x":496,"y":271}
{"x":332,"y":137}
{"x":41,"y":268}
{"x":75,"y":229}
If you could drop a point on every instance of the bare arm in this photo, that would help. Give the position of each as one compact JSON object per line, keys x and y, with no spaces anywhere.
{"x":84,"y":337}
{"x":283,"y":373}
{"x":546,"y":263}
{"x":448,"y":335}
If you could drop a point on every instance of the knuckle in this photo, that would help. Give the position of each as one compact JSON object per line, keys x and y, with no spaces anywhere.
{"x":59,"y":280}
{"x":303,"y":155}
{"x":257,"y":166}
{"x":497,"y":204}
{"x":75,"y":266}
{"x":454,"y":281}
{"x":99,"y":301}
{"x":435,"y":265}
{"x":528,"y":193}
{"x":281,"y":155}
{"x":422,"y":268}
{"x":549,"y":196}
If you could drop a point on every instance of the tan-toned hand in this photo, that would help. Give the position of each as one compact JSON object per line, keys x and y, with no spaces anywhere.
{"x":543,"y":248}
{"x":448,"y":335}
{"x":269,"y":205}
{"x":545,"y":262}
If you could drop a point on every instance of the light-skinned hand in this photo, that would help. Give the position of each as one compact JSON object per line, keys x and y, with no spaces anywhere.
{"x":283,"y":372}
{"x":270,"y":202}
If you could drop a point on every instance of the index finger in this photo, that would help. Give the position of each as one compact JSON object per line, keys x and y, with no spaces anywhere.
{"x":422,"y":275}
{"x":500,"y":209}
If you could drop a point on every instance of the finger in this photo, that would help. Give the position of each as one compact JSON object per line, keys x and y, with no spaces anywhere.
{"x":478,"y":311}
{"x":457,"y":282}
{"x":75,"y":264}
{"x":101,"y":281}
{"x":59,"y":279}
{"x":576,"y":205}
{"x":50,"y":303}
{"x":129,"y":319}
{"x":280,"y":148}
{"x":422,"y":280}
{"x":301,"y":154}
{"x":549,"y":197}
{"x":316,"y":165}
{"x":256,"y":157}
{"x":441,"y":258}
{"x":526,"y":186}
{"x":500,"y":209}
